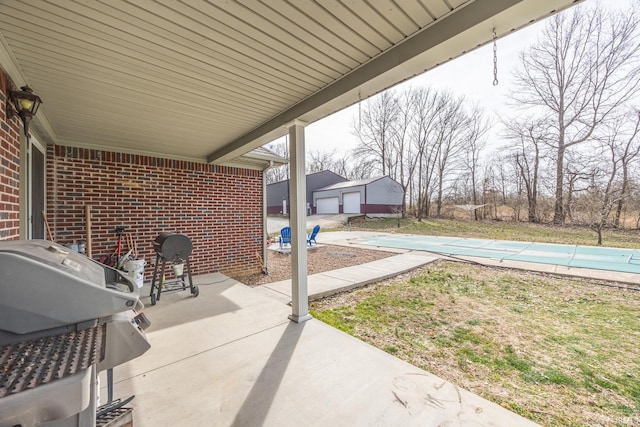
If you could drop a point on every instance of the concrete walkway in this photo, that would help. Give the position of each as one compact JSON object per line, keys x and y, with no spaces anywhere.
{"x":343,"y":279}
{"x":230,"y":357}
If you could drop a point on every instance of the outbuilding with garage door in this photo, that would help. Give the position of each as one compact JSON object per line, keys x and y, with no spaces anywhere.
{"x":278,"y":200}
{"x":373,"y":196}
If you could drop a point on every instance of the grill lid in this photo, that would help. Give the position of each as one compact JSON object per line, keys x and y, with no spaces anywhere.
{"x":44,"y":285}
{"x":173,"y":246}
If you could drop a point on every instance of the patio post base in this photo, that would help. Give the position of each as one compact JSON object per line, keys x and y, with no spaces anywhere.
{"x":300,"y":319}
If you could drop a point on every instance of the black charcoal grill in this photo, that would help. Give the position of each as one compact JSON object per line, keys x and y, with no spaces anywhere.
{"x":175,"y":249}
{"x":63,"y":318}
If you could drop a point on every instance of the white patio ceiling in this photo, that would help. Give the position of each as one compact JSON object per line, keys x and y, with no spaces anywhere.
{"x":209,"y":80}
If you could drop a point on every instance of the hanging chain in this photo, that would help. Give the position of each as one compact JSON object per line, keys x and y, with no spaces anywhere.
{"x":495,"y":58}
{"x":359,"y":110}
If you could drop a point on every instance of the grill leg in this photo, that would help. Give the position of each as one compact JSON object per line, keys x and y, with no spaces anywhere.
{"x":109,"y":385}
{"x":189,"y":274}
{"x":162,"y":277}
{"x":194,"y":289}
{"x":155,"y":273}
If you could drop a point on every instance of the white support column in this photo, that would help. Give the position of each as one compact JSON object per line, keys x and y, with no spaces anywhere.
{"x":298,"y":223}
{"x":265,"y":231}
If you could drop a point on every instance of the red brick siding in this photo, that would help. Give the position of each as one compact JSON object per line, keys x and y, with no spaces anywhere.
{"x":218,"y":208}
{"x":9,"y":168}
{"x":378,"y":209}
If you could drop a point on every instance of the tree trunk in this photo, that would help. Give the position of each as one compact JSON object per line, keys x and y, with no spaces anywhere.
{"x":439,"y":200}
{"x":533,"y":217}
{"x":568,"y":210}
{"x":533,"y":203}
{"x":474,"y":194}
{"x":420,"y":196}
{"x":559,"y":213}
{"x":623,"y":196}
{"x":427,"y":204}
{"x":404,"y":203}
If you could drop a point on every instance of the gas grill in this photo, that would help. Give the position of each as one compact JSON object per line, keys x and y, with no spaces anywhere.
{"x":175,"y":249}
{"x":63,"y":318}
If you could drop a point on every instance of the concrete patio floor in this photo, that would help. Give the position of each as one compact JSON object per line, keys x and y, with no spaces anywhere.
{"x":230,"y":357}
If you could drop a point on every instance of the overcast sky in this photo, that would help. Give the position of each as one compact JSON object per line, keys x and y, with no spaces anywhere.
{"x":470,"y":75}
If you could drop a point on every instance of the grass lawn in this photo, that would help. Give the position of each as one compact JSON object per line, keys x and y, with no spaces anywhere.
{"x":555,"y":350}
{"x":499,"y":230}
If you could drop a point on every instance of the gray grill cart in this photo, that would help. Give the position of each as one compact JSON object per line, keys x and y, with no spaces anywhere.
{"x":176,"y":249}
{"x":63,"y":319}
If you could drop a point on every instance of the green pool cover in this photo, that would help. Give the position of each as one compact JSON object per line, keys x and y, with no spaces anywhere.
{"x":600,"y":258}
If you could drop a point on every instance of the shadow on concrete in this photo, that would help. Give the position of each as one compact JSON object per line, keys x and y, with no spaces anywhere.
{"x":256,"y":405}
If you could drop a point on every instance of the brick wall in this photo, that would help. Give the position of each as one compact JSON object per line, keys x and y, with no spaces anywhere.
{"x":9,"y":168}
{"x":218,"y":208}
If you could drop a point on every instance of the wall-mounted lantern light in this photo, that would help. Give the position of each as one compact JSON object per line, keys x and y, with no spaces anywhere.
{"x":24,"y":104}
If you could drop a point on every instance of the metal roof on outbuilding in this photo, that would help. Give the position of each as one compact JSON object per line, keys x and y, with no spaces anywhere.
{"x":349,"y":184}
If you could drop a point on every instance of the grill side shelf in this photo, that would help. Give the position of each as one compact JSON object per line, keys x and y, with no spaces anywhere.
{"x":29,"y":364}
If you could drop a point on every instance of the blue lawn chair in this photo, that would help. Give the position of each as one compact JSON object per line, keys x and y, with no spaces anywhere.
{"x":312,"y":237}
{"x":285,"y":236}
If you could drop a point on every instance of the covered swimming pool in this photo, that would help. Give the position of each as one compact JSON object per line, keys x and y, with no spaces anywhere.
{"x":599,"y":258}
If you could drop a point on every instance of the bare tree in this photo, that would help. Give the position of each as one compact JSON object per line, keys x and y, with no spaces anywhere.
{"x":634,"y":200}
{"x":580,"y":172}
{"x":490,"y":197}
{"x":584,"y":66}
{"x":603,"y":196}
{"x":475,"y":143}
{"x":353,"y":168}
{"x":361,"y":169}
{"x":502,"y":175}
{"x":375,"y":129}
{"x":528,"y":136}
{"x":606,"y":180}
{"x":427,"y":106}
{"x":452,"y":129}
{"x":342,"y":166}
{"x":319,"y":160}
{"x":281,"y":172}
{"x":519,"y":196}
{"x":628,"y":150}
{"x":405,"y":160}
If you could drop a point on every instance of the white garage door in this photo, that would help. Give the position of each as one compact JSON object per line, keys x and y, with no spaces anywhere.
{"x":351,"y":202}
{"x":327,"y":205}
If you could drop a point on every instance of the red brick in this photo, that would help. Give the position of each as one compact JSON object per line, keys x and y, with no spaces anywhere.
{"x":9,"y":150}
{"x":190,"y":198}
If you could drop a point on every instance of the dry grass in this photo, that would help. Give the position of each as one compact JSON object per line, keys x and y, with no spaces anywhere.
{"x":557,"y":351}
